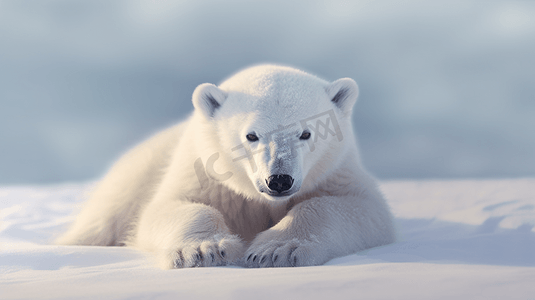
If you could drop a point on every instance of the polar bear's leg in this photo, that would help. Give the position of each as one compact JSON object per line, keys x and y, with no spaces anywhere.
{"x":320,"y":229}
{"x":183,"y":234}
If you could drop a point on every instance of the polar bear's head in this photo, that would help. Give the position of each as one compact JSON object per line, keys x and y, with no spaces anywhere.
{"x":274,"y":131}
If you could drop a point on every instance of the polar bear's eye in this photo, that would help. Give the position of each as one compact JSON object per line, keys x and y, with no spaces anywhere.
{"x":305,"y":135}
{"x":251,"y":137}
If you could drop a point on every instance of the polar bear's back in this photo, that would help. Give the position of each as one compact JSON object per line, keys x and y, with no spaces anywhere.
{"x":129,"y":184}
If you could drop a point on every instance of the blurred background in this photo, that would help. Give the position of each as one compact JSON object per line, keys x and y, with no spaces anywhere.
{"x":447,"y":87}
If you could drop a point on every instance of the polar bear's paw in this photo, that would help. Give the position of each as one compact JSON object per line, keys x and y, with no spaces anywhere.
{"x":290,"y":253}
{"x":218,"y":251}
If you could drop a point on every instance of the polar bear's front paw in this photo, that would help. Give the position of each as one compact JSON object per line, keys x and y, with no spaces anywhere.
{"x":291,"y":253}
{"x":218,"y":251}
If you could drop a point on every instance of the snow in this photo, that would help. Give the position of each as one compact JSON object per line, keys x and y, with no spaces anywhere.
{"x":462,"y":239}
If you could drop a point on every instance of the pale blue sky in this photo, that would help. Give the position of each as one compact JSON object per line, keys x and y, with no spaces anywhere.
{"x":447,"y":87}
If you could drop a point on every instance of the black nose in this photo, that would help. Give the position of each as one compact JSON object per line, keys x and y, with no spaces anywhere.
{"x":280,"y":183}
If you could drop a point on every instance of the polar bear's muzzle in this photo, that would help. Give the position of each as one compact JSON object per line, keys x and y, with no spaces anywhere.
{"x":279,"y":185}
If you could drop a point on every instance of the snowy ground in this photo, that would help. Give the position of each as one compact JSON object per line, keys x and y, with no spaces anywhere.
{"x":458,"y":240}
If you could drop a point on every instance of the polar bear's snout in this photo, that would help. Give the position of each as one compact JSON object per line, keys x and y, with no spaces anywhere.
{"x":279,"y":184}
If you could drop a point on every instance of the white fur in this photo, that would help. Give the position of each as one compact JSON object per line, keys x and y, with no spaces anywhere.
{"x":185,"y":196}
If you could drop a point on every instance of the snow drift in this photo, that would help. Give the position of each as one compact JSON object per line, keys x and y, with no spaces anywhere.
{"x":465,"y":239}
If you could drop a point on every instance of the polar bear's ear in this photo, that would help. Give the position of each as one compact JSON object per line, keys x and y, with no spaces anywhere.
{"x":343,"y":93}
{"x":208,"y":98}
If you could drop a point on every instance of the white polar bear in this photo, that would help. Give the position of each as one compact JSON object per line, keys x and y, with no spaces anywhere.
{"x":264,"y":173}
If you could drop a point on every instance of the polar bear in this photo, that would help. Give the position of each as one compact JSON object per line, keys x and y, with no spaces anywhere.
{"x":264,"y":173}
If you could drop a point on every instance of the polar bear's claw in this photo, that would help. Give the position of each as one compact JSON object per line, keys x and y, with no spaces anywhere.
{"x":215,"y":252}
{"x":291,"y":253}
